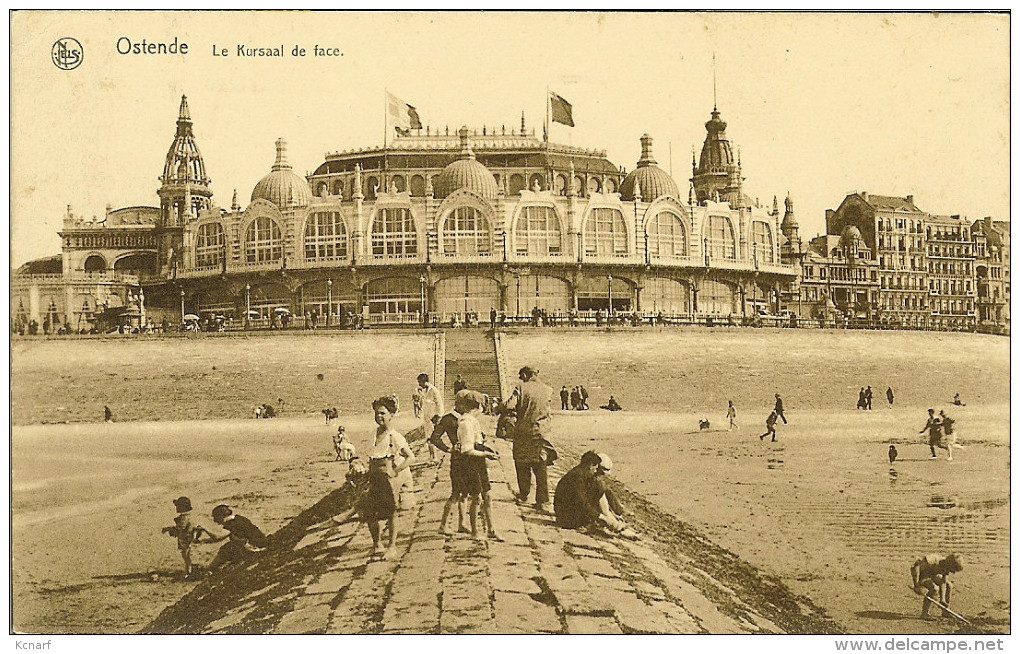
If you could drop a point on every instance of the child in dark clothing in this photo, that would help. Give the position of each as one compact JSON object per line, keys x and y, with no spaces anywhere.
{"x":244,"y":537}
{"x":185,"y":532}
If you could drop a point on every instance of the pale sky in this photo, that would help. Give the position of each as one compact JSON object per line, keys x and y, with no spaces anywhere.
{"x":820,"y":105}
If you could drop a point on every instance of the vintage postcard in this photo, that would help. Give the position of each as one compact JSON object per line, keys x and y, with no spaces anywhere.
{"x":511,"y":323}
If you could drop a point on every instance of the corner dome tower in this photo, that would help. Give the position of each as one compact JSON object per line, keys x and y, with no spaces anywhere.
{"x":718,"y":171}
{"x":465,"y":173}
{"x":652,"y":181}
{"x":281,"y":186}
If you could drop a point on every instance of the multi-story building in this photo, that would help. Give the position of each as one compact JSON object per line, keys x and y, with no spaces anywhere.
{"x":445,"y":225}
{"x":951,"y":284}
{"x":893,"y":229}
{"x":991,"y":270}
{"x":838,"y":282}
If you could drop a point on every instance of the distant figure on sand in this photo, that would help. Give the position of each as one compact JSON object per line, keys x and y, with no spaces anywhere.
{"x":185,"y":532}
{"x":892,"y":454}
{"x":957,"y":401}
{"x":530,"y":435}
{"x":108,"y":415}
{"x":779,"y":409}
{"x":584,"y":397}
{"x":770,"y":426}
{"x":930,"y":577}
{"x":862,"y":402}
{"x":344,"y":448}
{"x":868,"y":396}
{"x":575,"y":399}
{"x":244,"y":537}
{"x":612,"y":405}
{"x":704,"y":424}
{"x":731,"y":415}
{"x":949,"y":435}
{"x":564,"y":398}
{"x":889,"y":396}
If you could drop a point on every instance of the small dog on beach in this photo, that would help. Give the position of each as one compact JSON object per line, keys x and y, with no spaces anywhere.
{"x":704,"y":424}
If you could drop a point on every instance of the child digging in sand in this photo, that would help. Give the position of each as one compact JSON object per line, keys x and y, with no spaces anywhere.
{"x":186,"y":534}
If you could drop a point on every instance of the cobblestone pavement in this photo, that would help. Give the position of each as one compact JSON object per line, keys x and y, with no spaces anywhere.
{"x":540,"y":579}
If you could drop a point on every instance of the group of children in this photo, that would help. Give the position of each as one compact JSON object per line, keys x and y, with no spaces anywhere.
{"x":244,"y":536}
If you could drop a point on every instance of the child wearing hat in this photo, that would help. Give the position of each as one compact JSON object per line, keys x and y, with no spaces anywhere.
{"x":185,"y":532}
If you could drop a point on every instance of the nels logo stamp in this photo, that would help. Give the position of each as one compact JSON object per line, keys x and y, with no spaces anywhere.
{"x":67,"y":53}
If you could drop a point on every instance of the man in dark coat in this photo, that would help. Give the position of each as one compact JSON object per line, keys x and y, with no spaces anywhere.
{"x":779,"y":409}
{"x":530,"y":435}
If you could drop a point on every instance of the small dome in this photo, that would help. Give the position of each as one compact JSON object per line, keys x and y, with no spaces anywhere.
{"x":282,"y":187}
{"x":652,"y":181}
{"x":465,"y":173}
{"x":849,"y":235}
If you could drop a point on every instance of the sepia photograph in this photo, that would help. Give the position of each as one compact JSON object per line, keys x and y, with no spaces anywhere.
{"x":566,"y":322}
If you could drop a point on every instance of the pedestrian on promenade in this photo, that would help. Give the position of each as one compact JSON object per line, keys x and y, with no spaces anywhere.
{"x":388,"y":466}
{"x":492,"y":318}
{"x":930,"y":577}
{"x":934,"y":429}
{"x":731,"y":415}
{"x":564,"y":398}
{"x":244,"y":536}
{"x":779,"y":409}
{"x":474,"y":452}
{"x":186,"y":533}
{"x":447,"y":426}
{"x":428,"y":407}
{"x":889,"y":396}
{"x":530,"y":434}
{"x":770,"y":426}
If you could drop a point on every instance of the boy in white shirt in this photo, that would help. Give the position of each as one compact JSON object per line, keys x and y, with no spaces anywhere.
{"x":471,"y":442}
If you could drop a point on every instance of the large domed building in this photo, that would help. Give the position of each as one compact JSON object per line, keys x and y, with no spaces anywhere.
{"x":446,"y":224}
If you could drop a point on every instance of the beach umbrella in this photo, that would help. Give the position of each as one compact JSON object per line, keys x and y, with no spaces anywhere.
{"x":190,"y":316}
{"x":281,"y":310}
{"x":254,"y":314}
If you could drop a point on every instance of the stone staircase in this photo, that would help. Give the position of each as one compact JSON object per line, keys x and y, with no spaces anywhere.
{"x":471,"y":354}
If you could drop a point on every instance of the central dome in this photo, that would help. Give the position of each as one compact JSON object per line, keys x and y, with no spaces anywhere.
{"x":465,"y":173}
{"x":282,"y":187}
{"x":652,"y":181}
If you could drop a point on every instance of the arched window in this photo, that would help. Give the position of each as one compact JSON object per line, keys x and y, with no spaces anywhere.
{"x":720,"y":238}
{"x":95,"y":264}
{"x":605,"y":233}
{"x":516,"y":184}
{"x":716,"y":297}
{"x":325,"y":236}
{"x":209,"y":245}
{"x":667,"y":238}
{"x":762,"y":238}
{"x":466,"y":232}
{"x":537,"y":232}
{"x":263,"y":241}
{"x":394,"y":234}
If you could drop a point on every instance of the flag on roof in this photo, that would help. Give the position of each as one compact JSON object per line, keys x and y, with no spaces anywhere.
{"x":562,"y":111}
{"x":401,"y":115}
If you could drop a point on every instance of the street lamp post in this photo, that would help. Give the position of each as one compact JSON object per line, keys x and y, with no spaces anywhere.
{"x":421,"y":280}
{"x":247,"y":306}
{"x":182,"y":306}
{"x":141,"y":308}
{"x":648,"y":255}
{"x":704,"y":250}
{"x":329,"y":300}
{"x":518,"y":295}
{"x":610,"y":278}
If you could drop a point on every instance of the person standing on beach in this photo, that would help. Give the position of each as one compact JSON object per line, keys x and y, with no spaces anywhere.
{"x":584,"y":397}
{"x":428,"y":407}
{"x":492,"y":318}
{"x":447,"y":426}
{"x":531,"y":431}
{"x":474,"y":453}
{"x":185,"y":532}
{"x":107,"y":414}
{"x":861,"y":402}
{"x":779,"y":410}
{"x":731,"y":415}
{"x":868,"y":396}
{"x":930,"y":577}
{"x":770,"y":426}
{"x":389,"y":461}
{"x":889,"y":396}
{"x":564,"y":398}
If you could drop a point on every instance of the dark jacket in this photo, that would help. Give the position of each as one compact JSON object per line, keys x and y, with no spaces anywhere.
{"x":576,"y":501}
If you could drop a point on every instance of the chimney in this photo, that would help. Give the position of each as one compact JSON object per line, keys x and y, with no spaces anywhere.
{"x":864,"y":194}
{"x":910,"y":199}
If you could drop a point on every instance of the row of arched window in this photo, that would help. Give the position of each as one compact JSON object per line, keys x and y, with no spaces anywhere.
{"x":467,"y":231}
{"x":515,"y":183}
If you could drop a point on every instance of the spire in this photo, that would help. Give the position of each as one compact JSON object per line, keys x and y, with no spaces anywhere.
{"x":522,"y":124}
{"x":184,"y":113}
{"x":465,"y":146}
{"x":715,"y":104}
{"x":646,"y":152}
{"x":234,"y":206}
{"x":281,"y":156}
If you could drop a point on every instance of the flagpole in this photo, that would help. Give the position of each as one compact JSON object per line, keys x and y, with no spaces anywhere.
{"x":386,"y":116}
{"x":547,"y":102}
